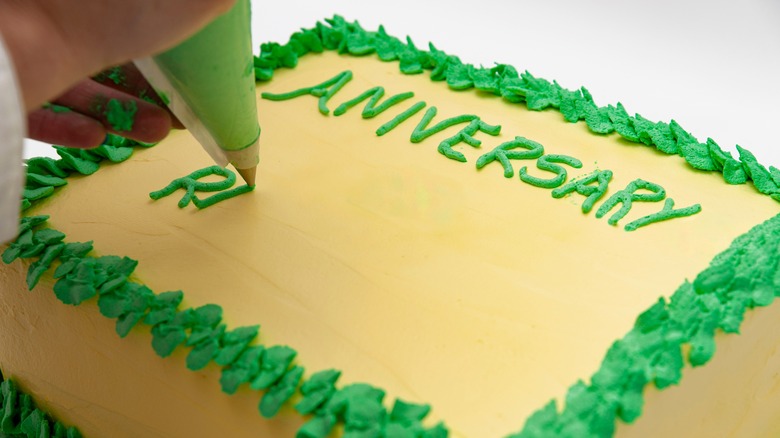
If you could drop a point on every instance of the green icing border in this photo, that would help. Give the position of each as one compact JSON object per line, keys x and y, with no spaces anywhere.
{"x":742,"y":277}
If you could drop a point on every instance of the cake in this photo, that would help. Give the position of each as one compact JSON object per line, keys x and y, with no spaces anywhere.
{"x":424,"y":255}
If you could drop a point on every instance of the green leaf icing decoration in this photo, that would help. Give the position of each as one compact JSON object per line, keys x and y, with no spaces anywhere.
{"x":280,"y":392}
{"x":242,"y":370}
{"x":275,"y":362}
{"x":40,"y":266}
{"x":191,"y":185}
{"x":317,"y":390}
{"x":45,"y":166}
{"x":234,"y":342}
{"x":205,"y":348}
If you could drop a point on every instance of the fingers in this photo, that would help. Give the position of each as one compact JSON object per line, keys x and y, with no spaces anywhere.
{"x":66,"y":128}
{"x":127,"y":78}
{"x":145,"y":121}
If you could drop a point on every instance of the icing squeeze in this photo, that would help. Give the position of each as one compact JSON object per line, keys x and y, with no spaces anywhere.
{"x":593,"y":185}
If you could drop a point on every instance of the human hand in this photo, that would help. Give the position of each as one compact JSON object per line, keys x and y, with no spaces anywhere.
{"x":56,"y":45}
{"x":78,"y":118}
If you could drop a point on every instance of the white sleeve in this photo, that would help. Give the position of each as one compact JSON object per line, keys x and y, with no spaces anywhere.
{"x":12,"y":132}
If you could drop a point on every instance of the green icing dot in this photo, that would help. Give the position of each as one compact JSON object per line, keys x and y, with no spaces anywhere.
{"x":34,"y":179}
{"x":75,"y":160}
{"x":166,"y":337}
{"x":45,"y":166}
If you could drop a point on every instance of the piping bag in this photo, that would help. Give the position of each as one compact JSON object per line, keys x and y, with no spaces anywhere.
{"x":208,"y":83}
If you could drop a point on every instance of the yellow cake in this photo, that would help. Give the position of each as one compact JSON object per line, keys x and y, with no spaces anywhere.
{"x":418,"y":264}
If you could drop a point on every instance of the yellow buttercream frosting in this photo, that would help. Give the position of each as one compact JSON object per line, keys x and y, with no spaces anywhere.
{"x":481,"y":295}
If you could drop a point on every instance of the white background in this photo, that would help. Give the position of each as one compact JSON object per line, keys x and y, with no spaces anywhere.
{"x":713,"y":66}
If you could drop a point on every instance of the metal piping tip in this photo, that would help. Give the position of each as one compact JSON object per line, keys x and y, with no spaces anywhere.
{"x":249,"y":175}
